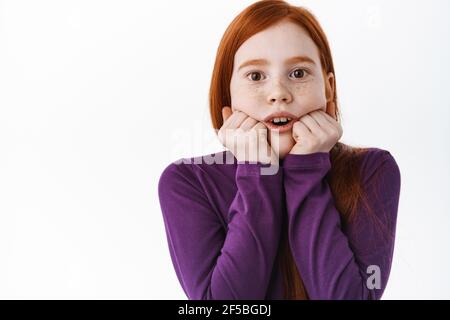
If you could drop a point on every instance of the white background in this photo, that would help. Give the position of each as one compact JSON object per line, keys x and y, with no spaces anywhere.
{"x":98,"y":97}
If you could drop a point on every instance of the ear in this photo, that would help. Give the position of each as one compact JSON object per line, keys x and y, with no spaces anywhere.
{"x":329,"y":86}
{"x":329,"y":94}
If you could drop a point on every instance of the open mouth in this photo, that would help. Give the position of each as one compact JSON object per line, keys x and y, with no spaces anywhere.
{"x":280,"y":121}
{"x":281,"y":124}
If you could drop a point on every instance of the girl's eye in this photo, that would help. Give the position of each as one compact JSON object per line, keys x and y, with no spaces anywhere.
{"x":254,"y":76}
{"x":299,"y":73}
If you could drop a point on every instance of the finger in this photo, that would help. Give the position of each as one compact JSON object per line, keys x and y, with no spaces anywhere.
{"x":321,"y":119}
{"x":261,"y":129}
{"x":230,"y":117}
{"x":335,"y":125}
{"x":264,"y":149}
{"x":332,"y":107}
{"x":312,"y":125}
{"x":226,"y":113}
{"x":328,"y":117}
{"x":248,"y":123}
{"x":329,"y":127}
{"x":300,"y":130}
{"x":236,"y":119}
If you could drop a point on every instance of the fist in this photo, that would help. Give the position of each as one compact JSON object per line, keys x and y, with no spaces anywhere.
{"x":245,"y":137}
{"x":316,"y":131}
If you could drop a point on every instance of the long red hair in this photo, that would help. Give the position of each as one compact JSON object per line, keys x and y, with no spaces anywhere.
{"x":344,"y":175}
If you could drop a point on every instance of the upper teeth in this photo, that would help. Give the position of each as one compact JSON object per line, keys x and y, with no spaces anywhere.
{"x":281,"y":119}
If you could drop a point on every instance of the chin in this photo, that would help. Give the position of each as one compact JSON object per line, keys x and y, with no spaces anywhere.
{"x":282,"y":145}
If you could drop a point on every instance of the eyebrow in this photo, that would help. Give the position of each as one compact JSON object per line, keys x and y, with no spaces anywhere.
{"x":262,"y":62}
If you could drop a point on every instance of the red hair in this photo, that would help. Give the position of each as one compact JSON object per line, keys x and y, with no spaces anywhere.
{"x":344,"y":176}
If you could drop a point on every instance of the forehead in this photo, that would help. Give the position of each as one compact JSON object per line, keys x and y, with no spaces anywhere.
{"x":278,"y":43}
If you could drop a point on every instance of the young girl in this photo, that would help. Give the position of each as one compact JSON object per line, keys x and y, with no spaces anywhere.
{"x":321,"y":226}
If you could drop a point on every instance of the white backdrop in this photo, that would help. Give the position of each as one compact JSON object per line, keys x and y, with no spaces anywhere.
{"x":98,"y":97}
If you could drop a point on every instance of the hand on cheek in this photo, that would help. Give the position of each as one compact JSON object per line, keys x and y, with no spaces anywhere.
{"x":245,"y":137}
{"x":316,"y":131}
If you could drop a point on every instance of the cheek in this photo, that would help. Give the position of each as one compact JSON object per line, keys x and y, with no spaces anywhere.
{"x":310,"y":95}
{"x":247,"y":99}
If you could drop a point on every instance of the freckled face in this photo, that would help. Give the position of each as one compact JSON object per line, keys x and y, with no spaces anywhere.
{"x":276,"y":81}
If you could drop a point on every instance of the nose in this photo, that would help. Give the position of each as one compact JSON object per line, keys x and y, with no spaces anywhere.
{"x":279,"y":93}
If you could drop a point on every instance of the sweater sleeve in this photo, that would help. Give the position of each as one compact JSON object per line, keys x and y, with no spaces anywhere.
{"x":213,"y":262}
{"x":333,"y":264}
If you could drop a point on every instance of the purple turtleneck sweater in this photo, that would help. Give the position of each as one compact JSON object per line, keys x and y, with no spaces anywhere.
{"x":223,"y":225}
